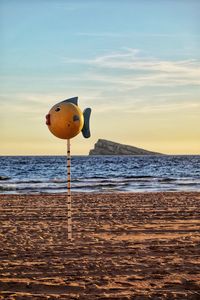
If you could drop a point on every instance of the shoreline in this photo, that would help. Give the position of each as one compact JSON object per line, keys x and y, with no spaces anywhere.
{"x":126,"y":246}
{"x":98,"y":193}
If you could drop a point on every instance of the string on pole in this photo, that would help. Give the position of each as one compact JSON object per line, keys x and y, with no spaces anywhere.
{"x":69,"y":201}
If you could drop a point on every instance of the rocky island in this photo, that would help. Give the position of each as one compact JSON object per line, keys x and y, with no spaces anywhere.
{"x":105,"y":147}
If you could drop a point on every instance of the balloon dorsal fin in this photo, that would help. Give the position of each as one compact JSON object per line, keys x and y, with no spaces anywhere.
{"x":73,"y":100}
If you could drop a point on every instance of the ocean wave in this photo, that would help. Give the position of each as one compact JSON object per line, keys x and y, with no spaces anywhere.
{"x":138,"y":176}
{"x":29,"y":181}
{"x":4,"y":177}
{"x":136,"y":182}
{"x":49,"y":174}
{"x":166,"y":179}
{"x":7,"y":188}
{"x":189,"y":183}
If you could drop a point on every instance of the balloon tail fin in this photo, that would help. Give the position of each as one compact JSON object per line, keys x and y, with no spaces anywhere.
{"x":86,"y":126}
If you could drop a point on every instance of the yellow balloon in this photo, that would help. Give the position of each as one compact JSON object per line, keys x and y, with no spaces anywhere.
{"x":65,"y":120}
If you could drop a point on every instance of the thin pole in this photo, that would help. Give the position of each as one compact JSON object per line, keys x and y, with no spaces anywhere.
{"x":69,"y":201}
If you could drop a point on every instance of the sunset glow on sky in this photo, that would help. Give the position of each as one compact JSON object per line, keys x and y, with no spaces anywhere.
{"x":135,"y":63}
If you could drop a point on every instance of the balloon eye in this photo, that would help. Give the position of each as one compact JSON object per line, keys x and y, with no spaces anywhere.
{"x":57,"y":109}
{"x":75,"y":118}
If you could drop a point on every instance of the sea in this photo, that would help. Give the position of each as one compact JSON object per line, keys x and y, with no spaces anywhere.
{"x":48,"y":174}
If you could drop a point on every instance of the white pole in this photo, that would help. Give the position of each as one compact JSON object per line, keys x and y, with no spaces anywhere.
{"x":69,"y":201}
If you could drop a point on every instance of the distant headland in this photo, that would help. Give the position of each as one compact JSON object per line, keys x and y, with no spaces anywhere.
{"x":105,"y":147}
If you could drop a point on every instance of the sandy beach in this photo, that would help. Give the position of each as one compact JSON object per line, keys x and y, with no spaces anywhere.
{"x":126,"y":246}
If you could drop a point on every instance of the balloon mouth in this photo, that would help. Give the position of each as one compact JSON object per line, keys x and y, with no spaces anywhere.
{"x":48,"y":121}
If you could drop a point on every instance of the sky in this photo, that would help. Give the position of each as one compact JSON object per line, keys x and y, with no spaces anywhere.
{"x":135,"y":63}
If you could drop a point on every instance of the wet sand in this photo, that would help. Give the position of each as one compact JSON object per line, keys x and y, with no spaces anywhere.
{"x":126,"y":246}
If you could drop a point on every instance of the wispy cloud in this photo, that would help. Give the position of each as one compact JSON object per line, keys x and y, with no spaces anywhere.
{"x":165,"y":107}
{"x":126,"y":80}
{"x":35,"y":107}
{"x":138,"y":34}
{"x":135,"y":70}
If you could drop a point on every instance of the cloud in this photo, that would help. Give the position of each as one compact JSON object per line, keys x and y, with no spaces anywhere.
{"x":38,"y":104}
{"x":125,"y":80}
{"x":137,"y":34}
{"x":102,"y":34}
{"x":132,"y":69}
{"x":165,"y":107}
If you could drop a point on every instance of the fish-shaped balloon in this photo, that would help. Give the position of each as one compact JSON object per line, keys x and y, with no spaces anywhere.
{"x":65,"y":119}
